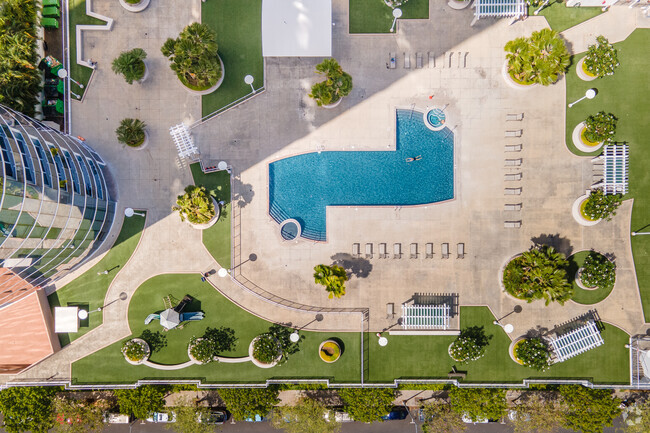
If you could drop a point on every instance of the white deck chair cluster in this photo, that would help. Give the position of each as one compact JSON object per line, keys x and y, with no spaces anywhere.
{"x":414,"y":250}
{"x":425,"y":316}
{"x":513,"y":172}
{"x":575,"y":342}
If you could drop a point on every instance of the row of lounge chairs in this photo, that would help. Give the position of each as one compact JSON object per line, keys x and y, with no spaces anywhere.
{"x":462,"y":60}
{"x":513,"y":163}
{"x":415,"y":252}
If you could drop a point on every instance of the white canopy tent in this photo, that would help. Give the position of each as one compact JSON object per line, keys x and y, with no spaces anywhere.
{"x":66,"y":319}
{"x":296,"y":28}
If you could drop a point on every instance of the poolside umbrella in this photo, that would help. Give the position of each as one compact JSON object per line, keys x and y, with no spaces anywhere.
{"x":169,"y":318}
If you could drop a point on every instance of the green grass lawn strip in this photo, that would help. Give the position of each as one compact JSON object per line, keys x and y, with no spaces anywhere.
{"x":426,"y":357}
{"x":560,"y":17}
{"x":77,"y":15}
{"x":373,"y":16}
{"x":217,"y":238}
{"x":89,"y":289}
{"x":108,"y":365}
{"x":238,"y":24}
{"x":625,"y":95}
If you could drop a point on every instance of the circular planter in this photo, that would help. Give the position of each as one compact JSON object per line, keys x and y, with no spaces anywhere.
{"x":258,"y":363}
{"x":211,"y":89}
{"x":577,"y":215}
{"x":213,"y":221}
{"x":511,"y":82}
{"x":511,"y":350}
{"x":581,"y":73}
{"x":579,"y":283}
{"x":581,"y":294}
{"x":576,"y":137}
{"x":189,"y":354}
{"x":147,"y":351}
{"x":144,"y":144}
{"x":501,"y":271}
{"x":334,"y":347}
{"x":459,"y":4}
{"x":333,"y":105}
{"x":146,"y":73}
{"x":137,"y":7}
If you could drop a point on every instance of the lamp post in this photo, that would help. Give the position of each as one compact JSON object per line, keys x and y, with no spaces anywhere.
{"x":248,"y":79}
{"x":640,"y":233}
{"x":589,"y":94}
{"x":541,"y":7}
{"x":397,"y":13}
{"x":129,"y":212}
{"x":507,"y":327}
{"x":83,"y":314}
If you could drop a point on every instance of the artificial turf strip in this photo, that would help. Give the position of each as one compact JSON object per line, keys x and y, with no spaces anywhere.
{"x":217,"y":238}
{"x":238,"y":24}
{"x":406,"y":357}
{"x":422,"y":357}
{"x":624,"y":94}
{"x":560,"y":17}
{"x":373,"y":16}
{"x":89,"y":289}
{"x":77,"y":15}
{"x":108,"y":365}
{"x":580,"y":295}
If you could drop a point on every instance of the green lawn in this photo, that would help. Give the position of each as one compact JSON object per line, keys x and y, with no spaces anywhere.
{"x":625,"y":94}
{"x":108,"y":365}
{"x":217,"y":238}
{"x":419,"y":357}
{"x":582,"y":296}
{"x":238,"y":24}
{"x":560,"y":17}
{"x":77,"y":15}
{"x":89,"y":290}
{"x":373,"y":16}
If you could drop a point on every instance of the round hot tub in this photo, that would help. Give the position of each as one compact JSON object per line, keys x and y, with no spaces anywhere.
{"x":435,"y":119}
{"x":290,"y":229}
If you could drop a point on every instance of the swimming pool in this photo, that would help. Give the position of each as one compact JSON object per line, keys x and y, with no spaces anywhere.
{"x":302,"y":186}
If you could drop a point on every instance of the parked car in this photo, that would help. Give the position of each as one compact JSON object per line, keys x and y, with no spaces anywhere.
{"x":339,"y":416}
{"x":398,"y":412}
{"x":116,"y":418}
{"x":162,"y":417}
{"x":215,"y":417}
{"x":256,"y":418}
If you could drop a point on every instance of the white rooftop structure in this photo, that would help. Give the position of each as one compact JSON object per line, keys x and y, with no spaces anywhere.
{"x":66,"y":319}
{"x":578,"y":341}
{"x":183,"y":140}
{"x":296,"y":28}
{"x":615,"y":158}
{"x":425,"y":316}
{"x":499,"y":9}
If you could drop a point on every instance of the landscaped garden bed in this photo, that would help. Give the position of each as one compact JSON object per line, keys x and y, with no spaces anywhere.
{"x":603,"y":284}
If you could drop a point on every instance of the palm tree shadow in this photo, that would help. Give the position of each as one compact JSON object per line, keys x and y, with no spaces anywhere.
{"x":356,"y":266}
{"x":562,"y":245}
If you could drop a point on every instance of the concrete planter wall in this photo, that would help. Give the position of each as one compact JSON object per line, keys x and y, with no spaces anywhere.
{"x":581,"y":73}
{"x":512,"y":83}
{"x":258,"y":363}
{"x":333,"y":105}
{"x":577,"y":215}
{"x":147,"y":351}
{"x":138,"y":7}
{"x":459,"y":5}
{"x":576,"y":137}
{"x":144,"y":144}
{"x":213,"y":221}
{"x":211,"y":89}
{"x":146,"y":73}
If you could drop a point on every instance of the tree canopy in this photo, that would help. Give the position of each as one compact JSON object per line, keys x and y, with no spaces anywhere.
{"x":367,"y":404}
{"x":537,"y":412}
{"x":439,"y":418}
{"x":141,"y":402}
{"x":337,"y":83}
{"x":588,"y":410}
{"x":78,"y":416}
{"x":540,"y":58}
{"x":27,"y":409}
{"x":196,"y":205}
{"x":188,"y":418}
{"x":333,"y":278}
{"x":247,"y":402}
{"x":306,"y":416}
{"x":478,"y":403}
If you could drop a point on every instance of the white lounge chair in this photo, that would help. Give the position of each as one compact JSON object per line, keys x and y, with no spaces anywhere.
{"x":382,"y":251}
{"x":513,"y":162}
{"x":513,"y":147}
{"x":513,"y":176}
{"x":368,"y":251}
{"x":512,"y":224}
{"x":517,"y":133}
{"x":414,"y":251}
{"x":432,"y":60}
{"x":429,"y":251}
{"x":407,"y":60}
{"x":513,"y":206}
{"x":397,"y":251}
{"x":418,"y":60}
{"x":356,"y":250}
{"x":515,"y":117}
{"x":445,"y":251}
{"x":390,"y":310}
{"x":460,"y":248}
{"x":512,"y":191}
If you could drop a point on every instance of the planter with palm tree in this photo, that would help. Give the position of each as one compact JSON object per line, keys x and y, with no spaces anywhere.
{"x":539,"y":273}
{"x":578,"y":212}
{"x":333,"y":278}
{"x":197,"y":207}
{"x":337,"y":84}
{"x":131,"y":65}
{"x":194,"y":59}
{"x":133,"y":133}
{"x":601,"y":60}
{"x":540,"y":59}
{"x":134,"y":5}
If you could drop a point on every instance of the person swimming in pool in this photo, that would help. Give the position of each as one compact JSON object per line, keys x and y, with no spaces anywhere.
{"x":417,"y":158}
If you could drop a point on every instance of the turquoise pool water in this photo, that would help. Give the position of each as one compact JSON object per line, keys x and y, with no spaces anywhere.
{"x":302,"y":186}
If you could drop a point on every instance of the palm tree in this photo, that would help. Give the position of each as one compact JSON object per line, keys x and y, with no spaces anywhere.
{"x":196,"y":205}
{"x":337,"y":83}
{"x":131,"y":132}
{"x":194,"y":56}
{"x":130,"y":64}
{"x":333,"y":278}
{"x":541,"y":58}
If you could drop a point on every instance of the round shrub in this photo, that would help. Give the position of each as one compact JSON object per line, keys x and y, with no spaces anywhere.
{"x":266,"y":349}
{"x":465,"y":349}
{"x":196,"y":205}
{"x":538,"y":274}
{"x":598,"y":271}
{"x":601,"y":58}
{"x":600,"y":127}
{"x":601,"y":206}
{"x":130,"y":64}
{"x":337,"y":84}
{"x":131,"y":132}
{"x":533,"y":353}
{"x":202,"y":350}
{"x":134,"y":350}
